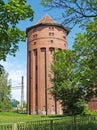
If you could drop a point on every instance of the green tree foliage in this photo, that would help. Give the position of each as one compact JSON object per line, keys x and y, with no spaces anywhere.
{"x":5,"y":92}
{"x":86,"y":51}
{"x":76,"y":70}
{"x":1,"y":69}
{"x":74,"y":11}
{"x":11,"y":12}
{"x":66,"y":88}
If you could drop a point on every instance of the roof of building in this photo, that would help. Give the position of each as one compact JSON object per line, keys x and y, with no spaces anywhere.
{"x":46,"y":21}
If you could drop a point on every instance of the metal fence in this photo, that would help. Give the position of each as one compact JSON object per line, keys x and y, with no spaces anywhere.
{"x":71,"y":123}
{"x":6,"y":126}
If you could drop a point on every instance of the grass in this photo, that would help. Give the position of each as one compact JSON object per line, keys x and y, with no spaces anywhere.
{"x":12,"y":117}
{"x":82,"y":123}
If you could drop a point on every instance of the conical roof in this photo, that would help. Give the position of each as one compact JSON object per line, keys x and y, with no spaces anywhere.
{"x":46,"y":20}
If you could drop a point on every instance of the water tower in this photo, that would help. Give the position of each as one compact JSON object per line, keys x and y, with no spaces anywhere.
{"x":43,"y":38}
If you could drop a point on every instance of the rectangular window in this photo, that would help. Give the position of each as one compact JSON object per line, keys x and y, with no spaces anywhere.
{"x":35,"y":36}
{"x":64,"y":37}
{"x":34,"y":43}
{"x":51,"y":34}
{"x":51,"y":28}
{"x":52,"y":41}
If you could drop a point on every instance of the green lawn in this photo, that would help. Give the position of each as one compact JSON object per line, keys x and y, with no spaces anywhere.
{"x":82,"y":122}
{"x":11,"y":117}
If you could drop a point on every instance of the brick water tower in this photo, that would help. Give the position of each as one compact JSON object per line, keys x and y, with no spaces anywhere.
{"x":43,"y":38}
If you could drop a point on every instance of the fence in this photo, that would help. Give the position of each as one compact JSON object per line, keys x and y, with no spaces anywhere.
{"x":72,"y":123}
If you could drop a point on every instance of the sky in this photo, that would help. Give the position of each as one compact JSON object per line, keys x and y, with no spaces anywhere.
{"x":17,"y":66}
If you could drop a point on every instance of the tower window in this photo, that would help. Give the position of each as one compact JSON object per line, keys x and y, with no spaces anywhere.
{"x":64,"y":37}
{"x":35,"y":52}
{"x":51,"y":28}
{"x":35,"y":29}
{"x":52,"y":41}
{"x":34,"y":43}
{"x":51,"y":34}
{"x":35,"y":36}
{"x":59,"y":49}
{"x":43,"y":49}
{"x":51,"y":50}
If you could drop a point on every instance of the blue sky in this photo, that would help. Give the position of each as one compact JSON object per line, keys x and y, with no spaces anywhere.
{"x":17,"y":66}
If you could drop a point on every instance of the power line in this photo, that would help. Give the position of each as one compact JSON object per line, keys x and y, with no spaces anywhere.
{"x":22,"y":89}
{"x":16,"y":87}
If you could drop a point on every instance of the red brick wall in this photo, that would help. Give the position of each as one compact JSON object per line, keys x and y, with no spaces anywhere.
{"x":92,"y":105}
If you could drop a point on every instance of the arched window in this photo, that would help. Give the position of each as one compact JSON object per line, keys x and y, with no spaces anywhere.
{"x":51,"y":49}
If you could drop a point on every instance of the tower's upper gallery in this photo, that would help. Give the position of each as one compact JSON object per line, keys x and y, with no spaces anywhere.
{"x":46,"y":21}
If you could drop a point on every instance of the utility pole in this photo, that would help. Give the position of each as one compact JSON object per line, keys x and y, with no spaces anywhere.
{"x":22,"y":91}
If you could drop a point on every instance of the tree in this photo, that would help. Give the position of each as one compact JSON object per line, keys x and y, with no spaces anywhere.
{"x":74,"y":11}
{"x":66,"y":87}
{"x":11,"y":12}
{"x":1,"y":69}
{"x":77,"y":72}
{"x":85,"y":48}
{"x":5,"y":92}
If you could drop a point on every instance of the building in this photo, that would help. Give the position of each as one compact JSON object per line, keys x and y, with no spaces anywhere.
{"x":92,"y":104}
{"x":43,"y":38}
